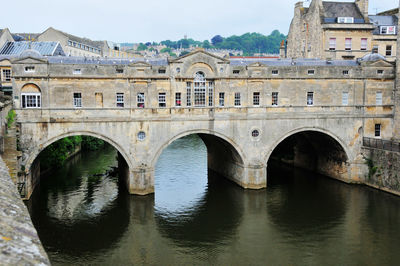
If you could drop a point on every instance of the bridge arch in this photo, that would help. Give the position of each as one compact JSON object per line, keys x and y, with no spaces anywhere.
{"x":235,"y":147}
{"x":315,"y":149}
{"x":39,"y":148}
{"x":224,"y":156}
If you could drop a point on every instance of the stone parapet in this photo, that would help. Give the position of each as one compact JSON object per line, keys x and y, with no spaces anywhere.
{"x":19,"y":242}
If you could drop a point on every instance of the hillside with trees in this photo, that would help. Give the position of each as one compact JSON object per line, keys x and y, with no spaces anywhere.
{"x":249,"y":43}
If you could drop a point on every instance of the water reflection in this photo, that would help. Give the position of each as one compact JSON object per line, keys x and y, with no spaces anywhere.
{"x":72,"y":207}
{"x":301,"y":203}
{"x":185,"y":207}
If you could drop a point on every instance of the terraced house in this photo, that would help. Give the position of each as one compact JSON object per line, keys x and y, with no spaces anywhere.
{"x":341,"y":30}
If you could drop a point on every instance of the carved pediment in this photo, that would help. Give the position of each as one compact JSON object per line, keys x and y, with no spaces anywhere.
{"x":30,"y":60}
{"x":140,"y":64}
{"x":380,"y":63}
{"x":200,"y":54}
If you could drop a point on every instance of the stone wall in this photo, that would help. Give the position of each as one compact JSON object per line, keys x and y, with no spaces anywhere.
{"x":19,"y":242}
{"x":384,"y":169}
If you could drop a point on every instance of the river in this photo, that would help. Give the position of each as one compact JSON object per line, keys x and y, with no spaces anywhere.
{"x":84,"y":217}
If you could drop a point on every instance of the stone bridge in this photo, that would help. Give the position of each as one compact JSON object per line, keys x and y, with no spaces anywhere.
{"x":243,"y":110}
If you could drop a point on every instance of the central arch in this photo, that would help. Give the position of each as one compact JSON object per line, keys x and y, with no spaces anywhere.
{"x":224,"y":156}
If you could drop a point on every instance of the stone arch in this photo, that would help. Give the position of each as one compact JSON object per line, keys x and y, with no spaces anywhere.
{"x":30,"y":88}
{"x":303,"y":129}
{"x":33,"y":155}
{"x":315,"y":149}
{"x":233,"y":145}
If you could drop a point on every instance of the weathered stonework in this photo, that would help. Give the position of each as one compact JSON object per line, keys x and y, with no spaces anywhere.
{"x":19,"y":242}
{"x":227,"y":129}
{"x":384,"y":169}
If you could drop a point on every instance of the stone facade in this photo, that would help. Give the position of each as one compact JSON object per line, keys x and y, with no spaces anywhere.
{"x":319,"y":32}
{"x":264,"y":102}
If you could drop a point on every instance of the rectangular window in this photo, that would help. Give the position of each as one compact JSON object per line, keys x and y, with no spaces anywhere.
{"x":347,"y":44}
{"x":77,"y":71}
{"x":77,"y":99}
{"x":375,"y":49}
{"x":310,"y":98}
{"x":379,"y":72}
{"x":275,"y":72}
{"x":140,"y":100}
{"x":188,"y":93}
{"x":31,"y":100}
{"x":29,"y":69}
{"x":161,"y":71}
{"x":345,"y":98}
{"x":7,"y":75}
{"x":378,"y":98}
{"x":178,"y":99}
{"x":275,"y":98}
{"x":221,"y":99}
{"x":237,"y":99}
{"x":119,"y":70}
{"x":120,"y":99}
{"x":210,"y":93}
{"x":256,"y":98}
{"x":377,"y":130}
{"x":311,"y":72}
{"x":332,"y":44}
{"x":388,"y":50}
{"x":236,"y":72}
{"x":345,"y":72}
{"x":364,"y":43}
{"x":345,"y":20}
{"x":162,"y":100}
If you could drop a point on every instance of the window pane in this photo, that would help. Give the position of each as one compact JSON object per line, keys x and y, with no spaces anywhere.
{"x":221,"y":99}
{"x":345,"y":98}
{"x":310,"y":98}
{"x":237,"y":98}
{"x":378,"y":98}
{"x":140,"y":100}
{"x":178,"y":101}
{"x":274,"y":98}
{"x":256,"y":98}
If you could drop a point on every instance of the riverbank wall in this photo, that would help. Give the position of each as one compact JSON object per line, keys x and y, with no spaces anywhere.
{"x":384,"y":169}
{"x":19,"y":241}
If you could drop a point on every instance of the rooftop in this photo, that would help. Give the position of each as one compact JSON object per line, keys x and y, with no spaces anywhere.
{"x":44,"y":48}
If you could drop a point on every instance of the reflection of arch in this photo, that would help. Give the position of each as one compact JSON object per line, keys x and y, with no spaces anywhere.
{"x":200,"y":227}
{"x":30,"y":87}
{"x":304,"y":129}
{"x":235,"y":148}
{"x":42,"y":146}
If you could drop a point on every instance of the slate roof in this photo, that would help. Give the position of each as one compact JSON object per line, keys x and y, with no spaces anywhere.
{"x":341,"y":9}
{"x":25,"y":36}
{"x":383,"y":21}
{"x":106,"y":61}
{"x":97,"y":44}
{"x":44,"y":48}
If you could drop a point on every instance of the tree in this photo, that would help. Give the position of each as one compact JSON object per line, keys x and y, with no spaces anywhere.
{"x":141,"y":47}
{"x":165,"y":50}
{"x":184,"y":53}
{"x":206,"y":44}
{"x":216,"y":39}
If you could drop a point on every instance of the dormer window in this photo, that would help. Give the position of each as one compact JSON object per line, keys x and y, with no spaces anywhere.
{"x":236,"y":72}
{"x":311,"y":72}
{"x":388,"y":29}
{"x":345,"y":20}
{"x":119,"y":70}
{"x":29,"y":69}
{"x":161,"y":71}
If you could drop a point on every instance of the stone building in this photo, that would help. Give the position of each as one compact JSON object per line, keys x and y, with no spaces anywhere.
{"x":241,"y":107}
{"x":340,"y":30}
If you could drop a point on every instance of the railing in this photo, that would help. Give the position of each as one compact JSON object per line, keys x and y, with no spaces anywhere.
{"x":21,"y":189}
{"x":381,"y":144}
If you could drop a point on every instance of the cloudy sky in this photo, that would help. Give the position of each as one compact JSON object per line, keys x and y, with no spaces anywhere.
{"x":155,"y":20}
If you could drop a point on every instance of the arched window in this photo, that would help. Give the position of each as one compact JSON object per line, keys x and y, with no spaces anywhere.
{"x":199,"y":89}
{"x":30,"y":96}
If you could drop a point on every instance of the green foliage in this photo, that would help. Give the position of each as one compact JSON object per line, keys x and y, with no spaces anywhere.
{"x":56,"y":154}
{"x":216,"y":39}
{"x":10,"y":118}
{"x":141,"y":47}
{"x":165,"y":50}
{"x":91,"y":143}
{"x":371,"y":167}
{"x":172,"y":54}
{"x":206,"y":44}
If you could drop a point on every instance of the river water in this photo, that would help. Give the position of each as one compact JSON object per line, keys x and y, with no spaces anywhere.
{"x":84,"y":217}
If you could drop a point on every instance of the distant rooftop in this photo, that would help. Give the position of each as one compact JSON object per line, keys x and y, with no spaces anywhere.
{"x":44,"y":48}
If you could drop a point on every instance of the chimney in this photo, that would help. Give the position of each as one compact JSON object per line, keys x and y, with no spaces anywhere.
{"x":363,"y":6}
{"x":298,"y":9}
